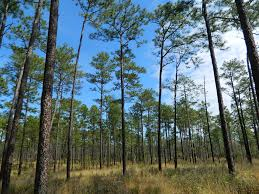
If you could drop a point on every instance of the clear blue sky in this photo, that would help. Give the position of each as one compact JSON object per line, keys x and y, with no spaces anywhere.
{"x":69,"y":31}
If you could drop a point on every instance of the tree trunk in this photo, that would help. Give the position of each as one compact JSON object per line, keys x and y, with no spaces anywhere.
{"x":41,"y":175}
{"x":159,"y":110}
{"x":250,"y":42}
{"x":208,"y":122}
{"x":71,"y":108}
{"x":252,"y":89}
{"x":10,"y":118}
{"x":228,"y":151}
{"x":101,"y":129}
{"x":23,"y":137}
{"x":175,"y":116}
{"x":246,"y":142}
{"x":123,"y":135}
{"x":10,"y":146}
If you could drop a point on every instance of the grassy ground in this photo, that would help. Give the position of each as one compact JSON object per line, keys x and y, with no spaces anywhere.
{"x":202,"y":178}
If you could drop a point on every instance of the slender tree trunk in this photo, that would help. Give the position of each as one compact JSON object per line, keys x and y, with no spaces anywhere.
{"x":242,"y":125}
{"x":159,"y":110}
{"x":101,"y":129}
{"x":228,"y":151}
{"x":142,"y":136}
{"x":10,"y":118}
{"x":246,"y":142}
{"x":123,"y":135}
{"x":250,"y":42}
{"x":208,"y":122}
{"x":23,"y":137}
{"x":3,"y":19}
{"x":175,"y":116}
{"x":254,"y":119}
{"x":41,"y":176}
{"x":57,"y":133}
{"x":189,"y":128}
{"x":18,"y":109}
{"x":71,"y":108}
{"x":114,"y":145}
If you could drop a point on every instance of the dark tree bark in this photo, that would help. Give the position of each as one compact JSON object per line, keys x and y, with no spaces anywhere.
{"x":175,"y":116}
{"x":41,"y":176}
{"x":101,"y":129}
{"x":23,"y":137}
{"x":123,"y":135}
{"x":228,"y":151}
{"x":71,"y":108}
{"x":208,"y":122}
{"x":244,"y":133}
{"x":252,"y":89}
{"x":159,"y":109}
{"x":250,"y":42}
{"x":11,"y":138}
{"x":241,"y":122}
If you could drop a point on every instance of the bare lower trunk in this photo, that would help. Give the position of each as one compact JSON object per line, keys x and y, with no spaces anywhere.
{"x":41,"y":176}
{"x":71,"y":109}
{"x":208,"y":122}
{"x":228,"y":151}
{"x":23,"y":137}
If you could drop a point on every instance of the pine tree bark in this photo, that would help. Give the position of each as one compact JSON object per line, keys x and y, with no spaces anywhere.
{"x":71,"y":108}
{"x":228,"y":151}
{"x":250,"y":42}
{"x":41,"y":176}
{"x":10,"y":146}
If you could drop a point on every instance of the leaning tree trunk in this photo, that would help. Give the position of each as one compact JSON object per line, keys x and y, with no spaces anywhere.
{"x":250,"y":43}
{"x":228,"y":151}
{"x":18,"y":108}
{"x":41,"y":176}
{"x":10,"y":118}
{"x":244,"y":133}
{"x":71,"y":109}
{"x":208,"y":123}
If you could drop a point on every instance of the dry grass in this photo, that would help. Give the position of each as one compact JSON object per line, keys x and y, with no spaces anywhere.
{"x":202,"y":178}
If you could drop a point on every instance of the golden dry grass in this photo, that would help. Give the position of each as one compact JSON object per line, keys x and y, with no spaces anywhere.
{"x":140,"y":179}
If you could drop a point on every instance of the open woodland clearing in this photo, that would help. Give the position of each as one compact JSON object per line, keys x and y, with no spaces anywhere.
{"x":128,"y":96}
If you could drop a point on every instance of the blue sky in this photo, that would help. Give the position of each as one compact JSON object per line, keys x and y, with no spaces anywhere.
{"x":69,"y":30}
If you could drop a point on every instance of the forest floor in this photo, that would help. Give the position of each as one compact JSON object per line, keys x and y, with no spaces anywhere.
{"x":202,"y":178}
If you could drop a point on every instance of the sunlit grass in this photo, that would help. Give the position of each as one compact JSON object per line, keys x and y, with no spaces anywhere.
{"x":188,"y":178}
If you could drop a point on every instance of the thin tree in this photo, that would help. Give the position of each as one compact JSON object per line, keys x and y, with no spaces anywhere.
{"x":228,"y":151}
{"x":41,"y":176}
{"x":207,"y":120}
